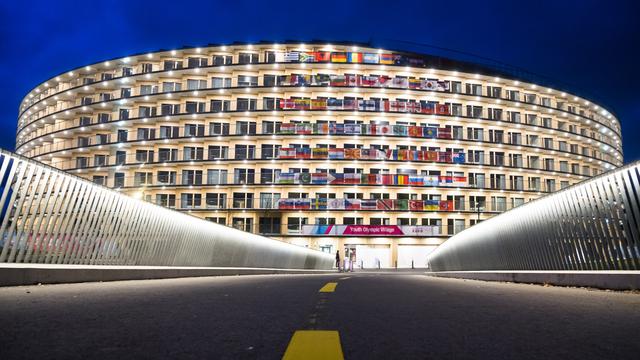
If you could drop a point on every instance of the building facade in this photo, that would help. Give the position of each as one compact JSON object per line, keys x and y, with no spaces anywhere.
{"x":332,"y":147}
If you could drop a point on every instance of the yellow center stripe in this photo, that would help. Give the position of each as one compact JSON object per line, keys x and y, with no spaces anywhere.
{"x":314,"y":344}
{"x":329,"y":287}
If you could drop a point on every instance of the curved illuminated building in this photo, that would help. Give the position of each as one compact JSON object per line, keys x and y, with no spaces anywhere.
{"x":328,"y":146}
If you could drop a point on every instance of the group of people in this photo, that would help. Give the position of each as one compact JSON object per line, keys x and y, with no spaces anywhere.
{"x":349,"y":259}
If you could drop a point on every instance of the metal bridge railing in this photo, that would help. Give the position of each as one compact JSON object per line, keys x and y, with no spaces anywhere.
{"x":593,"y":225}
{"x":51,"y":217}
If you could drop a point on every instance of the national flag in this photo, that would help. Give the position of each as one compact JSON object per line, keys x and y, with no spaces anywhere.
{"x":416,"y":180}
{"x":352,"y":129}
{"x":431,"y":155}
{"x":286,"y":153}
{"x":322,"y":56}
{"x":353,"y":179}
{"x":354,"y":57}
{"x":353,"y":80}
{"x":388,"y":179}
{"x":429,"y":84}
{"x":285,"y":178}
{"x":402,"y":154}
{"x":286,"y":204}
{"x":386,"y":59}
{"x":304,"y":178}
{"x":319,"y":203}
{"x":430,"y":132}
{"x":401,"y":204}
{"x":428,"y":108}
{"x":414,"y":83}
{"x":336,"y":154}
{"x":444,"y":133}
{"x":334,"y":104}
{"x":319,"y":178}
{"x":442,"y":109}
{"x":415,"y":131}
{"x":368,"y":204}
{"x":366,"y":80}
{"x":458,"y":158}
{"x":279,"y":56}
{"x":370,"y":58}
{"x":322,"y":79}
{"x":446,"y":205}
{"x":443,"y":86}
{"x":400,"y":130}
{"x":319,"y":104}
{"x":320,"y":153}
{"x":336,"y":178}
{"x":459,"y":180}
{"x":335,"y":128}
{"x":287,"y":129}
{"x":352,"y":204}
{"x":349,"y":104}
{"x":400,"y":82}
{"x":384,"y":130}
{"x":302,"y":104}
{"x":303,"y":153}
{"x":444,"y":156}
{"x":338,"y":57}
{"x":287,"y":104}
{"x":291,"y":56}
{"x":367,"y":105}
{"x":384,"y":204}
{"x":335,"y":204}
{"x":384,"y":81}
{"x":402,"y":179}
{"x":413,"y":107}
{"x":446,"y":179}
{"x":432,"y":205}
{"x":416,"y":205}
{"x":306,"y":57}
{"x":304,"y":129}
{"x":321,"y":129}
{"x":352,"y":154}
{"x":338,"y":80}
{"x":431,"y":180}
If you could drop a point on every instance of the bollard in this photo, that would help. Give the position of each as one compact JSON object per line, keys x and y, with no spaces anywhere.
{"x":412,"y":264}
{"x":396,"y":264}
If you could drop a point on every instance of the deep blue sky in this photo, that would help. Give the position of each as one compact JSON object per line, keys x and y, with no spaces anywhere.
{"x":593,"y":45}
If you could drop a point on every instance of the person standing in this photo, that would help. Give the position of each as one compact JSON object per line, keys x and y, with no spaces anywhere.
{"x":338,"y":259}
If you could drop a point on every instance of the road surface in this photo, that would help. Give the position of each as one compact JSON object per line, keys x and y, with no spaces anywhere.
{"x":372,"y":315}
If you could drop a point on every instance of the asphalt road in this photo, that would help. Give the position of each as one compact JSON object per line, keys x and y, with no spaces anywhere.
{"x":378,"y":316}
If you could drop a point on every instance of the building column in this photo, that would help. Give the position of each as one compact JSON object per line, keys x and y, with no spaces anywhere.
{"x":394,"y":252}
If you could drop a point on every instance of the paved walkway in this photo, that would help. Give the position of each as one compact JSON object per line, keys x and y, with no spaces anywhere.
{"x":357,"y":315}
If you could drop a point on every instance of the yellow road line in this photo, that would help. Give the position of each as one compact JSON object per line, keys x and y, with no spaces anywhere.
{"x":314,"y":344}
{"x":329,"y":287}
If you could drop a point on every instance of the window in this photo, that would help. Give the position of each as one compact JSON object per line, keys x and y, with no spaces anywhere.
{"x":121,"y":157}
{"x":269,"y":200}
{"x":146,"y":68}
{"x":169,"y":86}
{"x":245,"y":128}
{"x":167,"y":132}
{"x":189,"y":201}
{"x":268,"y":176}
{"x":142,"y":178}
{"x":475,"y":134}
{"x":166,"y":177}
{"x":118,"y":180}
{"x":244,"y":104}
{"x":148,"y":89}
{"x":169,"y":109}
{"x":216,"y":177}
{"x":498,"y":181}
{"x":218,"y":82}
{"x":193,"y":84}
{"x":294,"y":224}
{"x":534,"y":183}
{"x":269,"y":151}
{"x":242,"y":200}
{"x":474,"y":89}
{"x":166,"y":200}
{"x":99,"y":179}
{"x":193,"y":130}
{"x":222,"y":60}
{"x":196,"y":62}
{"x":172,"y":64}
{"x":269,"y":80}
{"x":218,"y":128}
{"x":243,"y":176}
{"x":216,"y":201}
{"x":192,"y":107}
{"x":244,"y":224}
{"x":165,"y":154}
{"x":474,"y":111}
{"x":269,"y":225}
{"x":247,"y":58}
{"x":193,"y":153}
{"x":144,"y":155}
{"x":146,"y":134}
{"x":220,"y":105}
{"x":99,"y":160}
{"x":217,"y":152}
{"x":191,"y":177}
{"x":244,"y":152}
{"x":499,"y":203}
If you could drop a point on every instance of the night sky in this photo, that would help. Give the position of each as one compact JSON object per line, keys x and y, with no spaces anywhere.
{"x":591,"y":45}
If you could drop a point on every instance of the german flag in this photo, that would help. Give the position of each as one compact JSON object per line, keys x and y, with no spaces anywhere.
{"x":338,"y":57}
